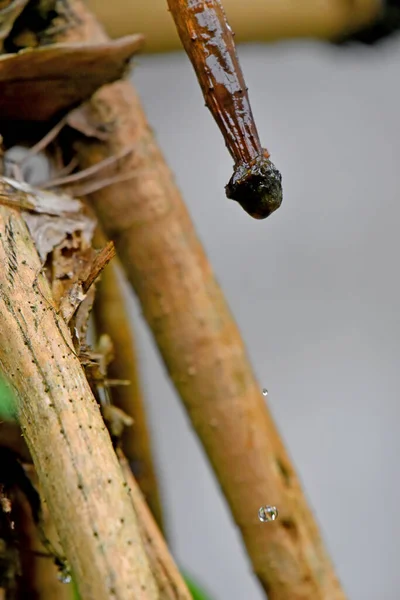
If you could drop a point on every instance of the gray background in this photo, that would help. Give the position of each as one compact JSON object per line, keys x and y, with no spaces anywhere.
{"x":316,"y":294}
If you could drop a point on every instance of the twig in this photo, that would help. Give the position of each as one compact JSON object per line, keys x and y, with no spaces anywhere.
{"x":101,"y":259}
{"x":44,"y":141}
{"x":71,"y":449}
{"x":100,"y":184}
{"x":203,"y":351}
{"x":85,"y":173}
{"x":209,"y":43}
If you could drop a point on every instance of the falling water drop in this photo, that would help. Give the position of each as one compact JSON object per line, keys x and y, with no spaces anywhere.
{"x":265,"y":392}
{"x":268,"y":513}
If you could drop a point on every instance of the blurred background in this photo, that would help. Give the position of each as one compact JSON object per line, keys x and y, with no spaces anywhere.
{"x":315,"y":290}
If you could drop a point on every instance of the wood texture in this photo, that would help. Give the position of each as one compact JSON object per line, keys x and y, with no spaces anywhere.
{"x":76,"y":465}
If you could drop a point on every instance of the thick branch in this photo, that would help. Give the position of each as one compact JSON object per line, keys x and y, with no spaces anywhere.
{"x":72,"y":452}
{"x":111,"y":317}
{"x":203,"y":350}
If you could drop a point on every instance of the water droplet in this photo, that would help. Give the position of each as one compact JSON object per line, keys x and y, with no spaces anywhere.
{"x":268,"y":513}
{"x":64,"y":575}
{"x":265,"y":392}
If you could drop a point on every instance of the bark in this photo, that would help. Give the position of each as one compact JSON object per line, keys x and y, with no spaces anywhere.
{"x":169,"y":579}
{"x":111,"y":317}
{"x":202,"y":349}
{"x":75,"y":463}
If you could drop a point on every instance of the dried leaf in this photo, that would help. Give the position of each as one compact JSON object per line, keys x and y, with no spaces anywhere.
{"x":116,"y":420}
{"x":105,"y":348}
{"x":71,"y":264}
{"x":96,"y":361}
{"x":37,"y":84}
{"x":80,"y":321}
{"x":87,"y":266}
{"x":82,"y":119}
{"x":71,"y":301}
{"x":8,"y":15}
{"x":48,"y":231}
{"x":50,"y":217}
{"x":100,"y":260}
{"x":21,"y":195}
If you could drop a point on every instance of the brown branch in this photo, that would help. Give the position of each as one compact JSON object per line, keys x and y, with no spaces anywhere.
{"x":169,"y":579}
{"x":209,"y":43}
{"x":101,"y":259}
{"x":203,"y":350}
{"x":71,"y":449}
{"x":111,"y":317}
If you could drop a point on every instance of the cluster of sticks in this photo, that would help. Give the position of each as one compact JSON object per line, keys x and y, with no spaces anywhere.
{"x":110,"y":541}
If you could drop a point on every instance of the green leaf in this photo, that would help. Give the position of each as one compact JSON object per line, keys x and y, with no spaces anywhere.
{"x":7,"y":401}
{"x":197,"y":592}
{"x":75,"y":591}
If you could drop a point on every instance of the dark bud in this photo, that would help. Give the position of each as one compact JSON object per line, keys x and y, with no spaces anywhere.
{"x":257,"y":187}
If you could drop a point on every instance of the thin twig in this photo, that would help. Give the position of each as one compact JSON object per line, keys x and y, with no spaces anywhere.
{"x":100,"y":184}
{"x":85,"y":173}
{"x":101,"y":259}
{"x":44,"y":141}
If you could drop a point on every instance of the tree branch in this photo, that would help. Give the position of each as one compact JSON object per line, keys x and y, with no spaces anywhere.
{"x":61,"y":422}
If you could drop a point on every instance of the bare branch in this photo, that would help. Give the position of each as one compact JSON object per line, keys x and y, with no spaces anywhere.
{"x":61,"y":422}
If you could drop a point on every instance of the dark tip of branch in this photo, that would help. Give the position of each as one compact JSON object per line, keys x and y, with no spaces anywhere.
{"x":257,"y":187}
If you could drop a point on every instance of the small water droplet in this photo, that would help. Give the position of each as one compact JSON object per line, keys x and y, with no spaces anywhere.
{"x":265,"y":392}
{"x":64,"y":575}
{"x":268,"y":513}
